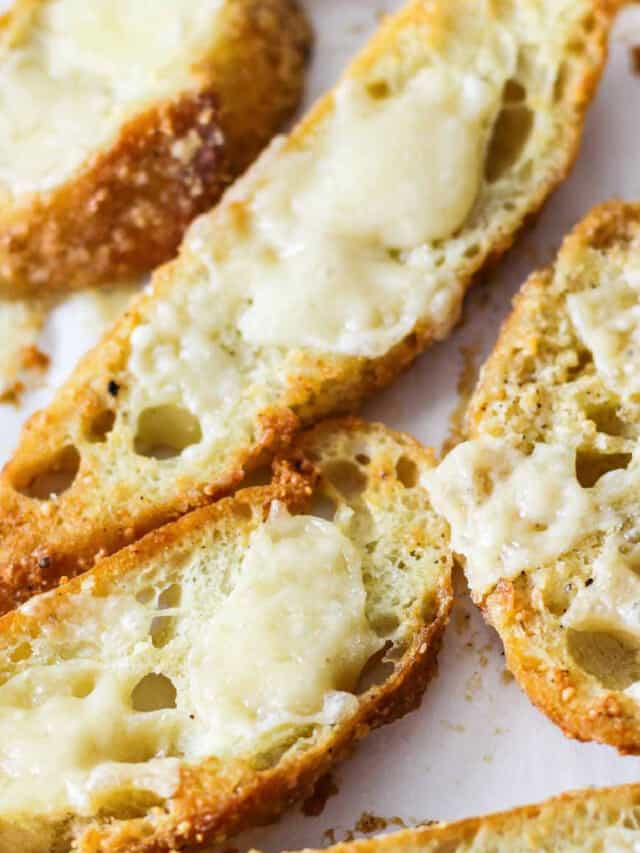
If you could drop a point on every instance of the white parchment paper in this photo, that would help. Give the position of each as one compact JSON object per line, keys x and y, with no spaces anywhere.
{"x":476,"y":744}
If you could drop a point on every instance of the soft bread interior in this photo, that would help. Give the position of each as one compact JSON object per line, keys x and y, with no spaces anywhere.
{"x":71,"y":73}
{"x":249,"y":634}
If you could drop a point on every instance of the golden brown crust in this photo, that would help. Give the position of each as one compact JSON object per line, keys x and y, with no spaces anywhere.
{"x":126,"y":209}
{"x":88,"y":520}
{"x":535,"y":651}
{"x":217,"y":799}
{"x":531,"y":825}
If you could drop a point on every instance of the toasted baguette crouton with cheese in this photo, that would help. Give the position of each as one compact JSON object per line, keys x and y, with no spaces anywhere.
{"x":544,"y":499}
{"x":120,"y":121}
{"x":337,"y":258}
{"x":202,"y":679}
{"x":591,"y":821}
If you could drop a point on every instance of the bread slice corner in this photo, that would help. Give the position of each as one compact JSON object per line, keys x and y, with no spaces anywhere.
{"x":118,"y":130}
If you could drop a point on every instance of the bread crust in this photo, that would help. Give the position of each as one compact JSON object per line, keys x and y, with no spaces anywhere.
{"x":39,"y":544}
{"x":216,"y":799}
{"x":531,"y":824}
{"x":536,"y":655}
{"x":125,"y":209}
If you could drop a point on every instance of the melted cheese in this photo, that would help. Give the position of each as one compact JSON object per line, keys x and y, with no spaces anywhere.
{"x":283,"y":648}
{"x":60,"y":749}
{"x":330,"y":250}
{"x":607,"y":319}
{"x":63,"y":93}
{"x":331,"y":259}
{"x":508,"y":511}
{"x":294,"y":633}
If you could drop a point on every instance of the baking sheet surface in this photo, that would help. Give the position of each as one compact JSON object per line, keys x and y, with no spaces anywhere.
{"x":476,"y":744}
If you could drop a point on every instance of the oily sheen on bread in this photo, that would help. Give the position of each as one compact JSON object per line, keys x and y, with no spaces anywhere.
{"x":202,"y":679}
{"x":315,"y":281}
{"x":589,"y":821}
{"x":543,"y":501}
{"x":122,"y":121}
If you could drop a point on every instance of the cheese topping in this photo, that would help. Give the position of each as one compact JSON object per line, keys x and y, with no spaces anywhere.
{"x":508,"y":511}
{"x":607,"y":319}
{"x":294,"y":633}
{"x":328,"y":251}
{"x":282,"y":648}
{"x":330,"y":259}
{"x":61,"y":749}
{"x":63,"y":91}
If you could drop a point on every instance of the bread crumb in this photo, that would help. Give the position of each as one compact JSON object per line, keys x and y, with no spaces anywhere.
{"x":634,"y":53}
{"x":324,"y":789}
{"x":506,"y":676}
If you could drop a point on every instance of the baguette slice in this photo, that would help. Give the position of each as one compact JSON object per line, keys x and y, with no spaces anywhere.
{"x":589,"y":821}
{"x":122,"y":121}
{"x":199,"y":681}
{"x":342,"y":254}
{"x":544,"y":500}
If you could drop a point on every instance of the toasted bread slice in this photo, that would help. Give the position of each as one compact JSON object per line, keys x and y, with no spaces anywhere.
{"x":543,"y":501}
{"x":200,"y":680}
{"x":317,"y":279}
{"x":588,"y":821}
{"x":122,"y":121}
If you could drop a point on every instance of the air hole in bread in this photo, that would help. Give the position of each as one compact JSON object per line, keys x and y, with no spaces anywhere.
{"x":591,"y":465}
{"x":322,"y":506}
{"x":510,"y":135}
{"x":170,"y":596}
{"x":514,"y":92}
{"x":101,"y":426}
{"x":384,"y":624}
{"x":83,"y":685}
{"x":54,"y":478}
{"x":560,"y":85}
{"x":376,"y":671}
{"x":557,"y":595}
{"x":611,"y":658}
{"x":606,"y":420}
{"x":347,"y":478}
{"x":145,"y":595}
{"x":161,"y":631}
{"x":163,"y":432}
{"x":154,"y":692}
{"x":363,"y":459}
{"x":407,"y":472}
{"x":583,"y":360}
{"x":378,"y":90}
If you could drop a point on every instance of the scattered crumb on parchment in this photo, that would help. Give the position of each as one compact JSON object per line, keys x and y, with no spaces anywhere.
{"x":634,"y":54}
{"x":368,"y":824}
{"x":22,"y":361}
{"x":507,"y":676}
{"x":21,"y":322}
{"x":324,"y":789}
{"x":473,"y":686}
{"x":453,"y":727}
{"x":465,"y":386}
